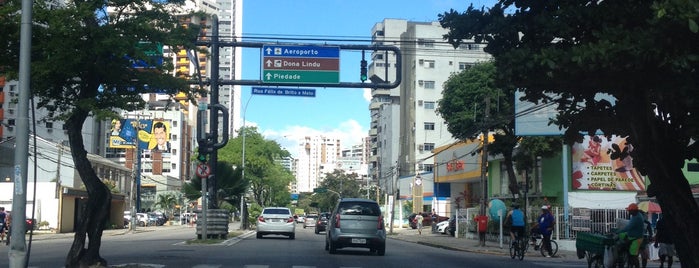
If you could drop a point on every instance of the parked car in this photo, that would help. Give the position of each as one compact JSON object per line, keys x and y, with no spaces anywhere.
{"x":31,"y":224}
{"x":310,"y":221}
{"x":142,"y":219}
{"x":443,"y":227}
{"x":356,"y":222}
{"x":322,"y":222}
{"x":276,"y":220}
{"x":426,"y":220}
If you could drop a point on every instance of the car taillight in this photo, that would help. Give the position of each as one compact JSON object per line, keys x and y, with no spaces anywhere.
{"x":291,"y":219}
{"x":261,"y":219}
{"x":380,"y":227}
{"x":337,"y":221}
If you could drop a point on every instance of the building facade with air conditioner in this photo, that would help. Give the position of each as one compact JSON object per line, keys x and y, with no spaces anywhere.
{"x":405,"y":128}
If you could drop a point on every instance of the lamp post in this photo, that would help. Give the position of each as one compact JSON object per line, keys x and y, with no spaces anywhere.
{"x":243,"y":218}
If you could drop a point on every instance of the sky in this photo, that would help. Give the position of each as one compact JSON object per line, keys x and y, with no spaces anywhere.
{"x":342,"y":112}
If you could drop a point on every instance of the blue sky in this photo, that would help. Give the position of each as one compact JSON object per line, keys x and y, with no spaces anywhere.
{"x":338,"y":111}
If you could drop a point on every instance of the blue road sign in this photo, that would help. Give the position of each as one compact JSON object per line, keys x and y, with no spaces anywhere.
{"x":300,"y":51}
{"x":278,"y":91}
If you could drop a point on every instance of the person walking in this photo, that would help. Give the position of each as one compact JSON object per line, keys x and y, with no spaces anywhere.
{"x":664,"y":240}
{"x":418,"y":219}
{"x":516,"y":219}
{"x":546,"y":222}
{"x":2,"y":223}
{"x":8,"y":226}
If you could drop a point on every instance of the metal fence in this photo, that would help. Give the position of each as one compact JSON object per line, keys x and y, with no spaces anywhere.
{"x":579,"y":220}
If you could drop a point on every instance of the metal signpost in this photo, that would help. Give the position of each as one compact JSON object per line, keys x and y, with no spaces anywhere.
{"x":300,"y":64}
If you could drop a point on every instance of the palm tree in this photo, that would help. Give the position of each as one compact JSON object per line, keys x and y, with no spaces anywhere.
{"x":167,"y":202}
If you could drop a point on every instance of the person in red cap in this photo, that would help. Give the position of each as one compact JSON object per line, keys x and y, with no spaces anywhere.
{"x":633,"y":232}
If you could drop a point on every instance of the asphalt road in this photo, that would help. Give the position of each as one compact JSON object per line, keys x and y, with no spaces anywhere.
{"x":166,"y":247}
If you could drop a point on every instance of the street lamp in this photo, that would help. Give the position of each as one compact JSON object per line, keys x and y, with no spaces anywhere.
{"x":243,"y":219}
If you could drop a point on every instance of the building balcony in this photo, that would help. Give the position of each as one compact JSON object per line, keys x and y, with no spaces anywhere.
{"x":373,"y":132}
{"x":380,"y":92}
{"x":375,"y":105}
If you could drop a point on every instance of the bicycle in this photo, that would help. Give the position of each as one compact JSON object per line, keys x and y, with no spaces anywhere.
{"x":538,"y":240}
{"x":518,"y":247}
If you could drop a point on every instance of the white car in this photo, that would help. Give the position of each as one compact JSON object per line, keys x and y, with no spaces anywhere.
{"x":443,"y":227}
{"x":276,"y":220}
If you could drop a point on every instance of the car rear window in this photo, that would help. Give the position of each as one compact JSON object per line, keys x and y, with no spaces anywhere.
{"x":276,"y":211}
{"x":359,"y":208}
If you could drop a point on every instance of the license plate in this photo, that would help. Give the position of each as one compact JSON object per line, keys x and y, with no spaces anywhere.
{"x":358,"y":241}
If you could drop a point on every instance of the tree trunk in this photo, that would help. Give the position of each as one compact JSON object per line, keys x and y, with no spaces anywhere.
{"x":679,"y":209}
{"x":96,"y":210}
{"x":511,"y":176}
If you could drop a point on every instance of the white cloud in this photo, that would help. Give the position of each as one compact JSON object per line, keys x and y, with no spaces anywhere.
{"x":349,"y":132}
{"x":367,"y":94}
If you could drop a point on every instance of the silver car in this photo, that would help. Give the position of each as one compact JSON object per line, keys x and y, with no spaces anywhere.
{"x":356,"y":222}
{"x":276,"y":220}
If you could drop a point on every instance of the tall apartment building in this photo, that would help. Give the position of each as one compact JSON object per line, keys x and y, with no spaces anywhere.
{"x":230,"y":28}
{"x":404,"y":125}
{"x":316,"y":156}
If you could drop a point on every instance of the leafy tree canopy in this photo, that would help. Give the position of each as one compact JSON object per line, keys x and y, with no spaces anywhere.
{"x":267,"y":179}
{"x":82,"y":65}
{"x":641,"y":54}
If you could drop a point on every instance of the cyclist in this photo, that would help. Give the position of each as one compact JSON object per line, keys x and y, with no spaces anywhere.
{"x":546,"y":222}
{"x":517,"y":218}
{"x":632,"y":233}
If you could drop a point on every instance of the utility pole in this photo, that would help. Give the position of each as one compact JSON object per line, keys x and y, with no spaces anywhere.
{"x":484,"y":168}
{"x":18,"y":246}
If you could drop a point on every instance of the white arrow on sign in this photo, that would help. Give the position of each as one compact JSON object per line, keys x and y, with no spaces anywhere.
{"x":269,"y":51}
{"x":269,"y":76}
{"x":269,"y":63}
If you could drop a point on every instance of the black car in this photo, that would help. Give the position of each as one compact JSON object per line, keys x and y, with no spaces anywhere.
{"x":322,"y":222}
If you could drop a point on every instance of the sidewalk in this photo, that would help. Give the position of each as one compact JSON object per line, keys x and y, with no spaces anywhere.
{"x":464,"y":244}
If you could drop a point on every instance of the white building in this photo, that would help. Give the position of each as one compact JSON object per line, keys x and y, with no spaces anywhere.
{"x":316,"y":156}
{"x":404,"y":125}
{"x":230,"y":18}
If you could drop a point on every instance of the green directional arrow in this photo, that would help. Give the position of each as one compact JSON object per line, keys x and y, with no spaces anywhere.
{"x":309,"y":77}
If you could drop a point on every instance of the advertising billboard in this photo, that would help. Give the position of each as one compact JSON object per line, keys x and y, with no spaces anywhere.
{"x":594,"y":169}
{"x":146,"y":133}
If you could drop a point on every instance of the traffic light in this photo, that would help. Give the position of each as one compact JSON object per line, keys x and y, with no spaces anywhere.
{"x":201,"y":157}
{"x":363,"y":71}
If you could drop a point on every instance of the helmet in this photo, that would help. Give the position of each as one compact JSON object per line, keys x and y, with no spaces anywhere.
{"x":545,"y":207}
{"x":515,"y":205}
{"x":632,"y":207}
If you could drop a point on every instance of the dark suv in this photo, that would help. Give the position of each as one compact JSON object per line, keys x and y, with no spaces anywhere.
{"x":322,"y":222}
{"x":356,"y":222}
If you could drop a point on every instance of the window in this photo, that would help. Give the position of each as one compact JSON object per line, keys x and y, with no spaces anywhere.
{"x":428,"y":104}
{"x":429,"y":126}
{"x":11,"y":122}
{"x":429,"y":84}
{"x":429,"y":64}
{"x":49,"y":125}
{"x":428,"y":146}
{"x":174,"y":137}
{"x":464,"y":65}
{"x":425,"y":43}
{"x":428,"y":167}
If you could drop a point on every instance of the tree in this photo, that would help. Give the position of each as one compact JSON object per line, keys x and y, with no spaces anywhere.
{"x":642,"y":54}
{"x":230,"y":182}
{"x":167,"y":202}
{"x":267,"y":179}
{"x":73,"y":84}
{"x":337,"y":182}
{"x":463,"y":107}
